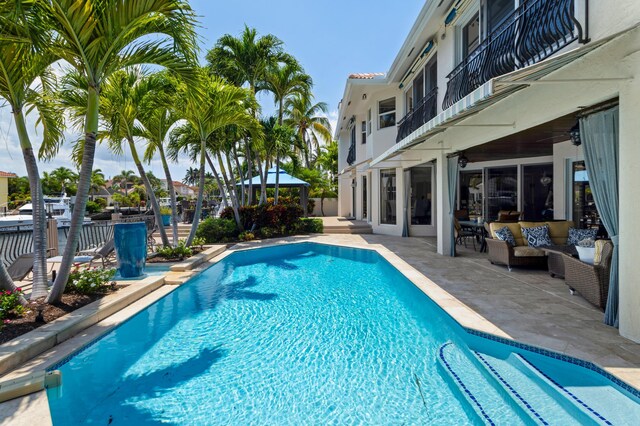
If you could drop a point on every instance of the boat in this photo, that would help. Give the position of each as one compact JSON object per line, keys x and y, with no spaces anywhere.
{"x":58,"y":208}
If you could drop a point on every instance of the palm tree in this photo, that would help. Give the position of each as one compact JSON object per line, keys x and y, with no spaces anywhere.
{"x":124,"y":179}
{"x":24,"y":84}
{"x":98,"y":38}
{"x":284,"y":81}
{"x":191,"y":177}
{"x":155,"y":120}
{"x":246,"y":60}
{"x":97,"y":180}
{"x":309,"y":120}
{"x":121,"y":97}
{"x":208,"y":105}
{"x":64,"y":176}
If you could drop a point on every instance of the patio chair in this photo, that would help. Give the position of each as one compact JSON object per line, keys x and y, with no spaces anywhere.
{"x":591,"y":281}
{"x":509,"y":216}
{"x":21,"y":267}
{"x":463,"y":234}
{"x":105,"y":253}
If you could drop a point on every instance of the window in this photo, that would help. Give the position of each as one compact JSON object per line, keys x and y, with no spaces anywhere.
{"x":501,"y":191}
{"x":388,"y":197}
{"x":369,"y":122}
{"x":387,"y":113}
{"x":364,"y":132}
{"x":408,"y":101}
{"x":497,"y":12}
{"x":418,"y":88}
{"x":537,"y":192}
{"x":364,"y":197}
{"x":431,"y":75}
{"x":585,"y":214}
{"x":471,"y":193}
{"x":421,"y":196}
{"x":471,"y":36}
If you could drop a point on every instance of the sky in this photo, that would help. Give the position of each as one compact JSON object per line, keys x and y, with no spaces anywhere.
{"x":330,"y":38}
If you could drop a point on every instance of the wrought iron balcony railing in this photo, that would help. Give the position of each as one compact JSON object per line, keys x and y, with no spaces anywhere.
{"x":533,"y":32}
{"x":426,"y":109}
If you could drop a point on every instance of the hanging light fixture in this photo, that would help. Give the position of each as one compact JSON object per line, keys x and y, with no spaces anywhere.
{"x":574,"y":133}
{"x":462,"y":161}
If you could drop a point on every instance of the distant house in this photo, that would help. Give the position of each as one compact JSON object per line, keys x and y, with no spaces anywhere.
{"x":4,"y":188}
{"x":181,"y":189}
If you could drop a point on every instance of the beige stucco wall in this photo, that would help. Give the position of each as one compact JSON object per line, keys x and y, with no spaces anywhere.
{"x":4,"y":192}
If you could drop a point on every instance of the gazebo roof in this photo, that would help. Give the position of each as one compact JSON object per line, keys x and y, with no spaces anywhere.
{"x":284,"y":181}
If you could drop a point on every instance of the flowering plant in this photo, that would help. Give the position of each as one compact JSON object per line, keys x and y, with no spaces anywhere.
{"x":89,"y":280}
{"x":10,"y":303}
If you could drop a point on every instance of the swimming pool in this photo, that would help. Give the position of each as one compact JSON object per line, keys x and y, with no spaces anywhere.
{"x":314,"y":334}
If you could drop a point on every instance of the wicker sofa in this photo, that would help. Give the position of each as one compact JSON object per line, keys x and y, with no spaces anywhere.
{"x":591,"y":281}
{"x":502,"y":253}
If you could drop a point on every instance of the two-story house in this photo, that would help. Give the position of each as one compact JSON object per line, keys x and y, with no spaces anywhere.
{"x":485,"y":109}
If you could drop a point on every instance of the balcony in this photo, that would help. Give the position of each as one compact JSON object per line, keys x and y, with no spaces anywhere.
{"x":425,"y":111}
{"x":534,"y":31}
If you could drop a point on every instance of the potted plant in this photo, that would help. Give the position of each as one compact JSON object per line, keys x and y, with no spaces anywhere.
{"x":165,"y":212}
{"x":586,"y":250}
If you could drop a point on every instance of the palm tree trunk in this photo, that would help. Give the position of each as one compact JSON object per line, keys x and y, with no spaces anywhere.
{"x":150,"y":194}
{"x":198,"y":211}
{"x":6,"y":283}
{"x":216,"y":175}
{"x":240,"y":174}
{"x":172,"y":195}
{"x":84,"y":184}
{"x":263,"y":183}
{"x":232,"y":193}
{"x":40,"y":287}
{"x":249,"y":170}
{"x":275,"y":198}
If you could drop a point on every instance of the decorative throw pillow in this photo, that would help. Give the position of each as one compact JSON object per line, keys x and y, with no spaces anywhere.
{"x":505,"y":234}
{"x":577,"y":235}
{"x":537,"y":236}
{"x":599,"y":246}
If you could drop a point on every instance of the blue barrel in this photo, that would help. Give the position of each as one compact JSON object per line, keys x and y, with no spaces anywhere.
{"x":130,"y":241}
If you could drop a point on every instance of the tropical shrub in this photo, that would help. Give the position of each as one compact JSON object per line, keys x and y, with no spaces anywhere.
{"x":268,"y":232}
{"x":198,"y":242}
{"x":311,"y":225}
{"x":89,"y":280}
{"x":165,"y":210}
{"x":10,"y":303}
{"x":101,"y":202}
{"x":93,"y":207}
{"x":180,"y":251}
{"x":214,"y":230}
{"x":246,"y":236}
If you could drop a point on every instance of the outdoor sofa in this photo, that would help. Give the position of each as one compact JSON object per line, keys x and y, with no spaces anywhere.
{"x":502,"y":253}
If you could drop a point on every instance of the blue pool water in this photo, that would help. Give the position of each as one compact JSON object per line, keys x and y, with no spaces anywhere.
{"x":316,"y":334}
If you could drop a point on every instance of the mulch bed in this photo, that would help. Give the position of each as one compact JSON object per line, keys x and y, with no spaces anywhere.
{"x":70,"y":302}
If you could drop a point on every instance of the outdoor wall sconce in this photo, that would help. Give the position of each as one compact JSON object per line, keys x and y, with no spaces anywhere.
{"x":574,"y":133}
{"x":462,"y":161}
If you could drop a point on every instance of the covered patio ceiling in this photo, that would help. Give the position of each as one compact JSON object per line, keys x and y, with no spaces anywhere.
{"x":535,"y":141}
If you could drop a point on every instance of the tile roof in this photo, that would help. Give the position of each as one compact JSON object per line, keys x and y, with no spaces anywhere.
{"x":7,"y":174}
{"x":366,"y":76}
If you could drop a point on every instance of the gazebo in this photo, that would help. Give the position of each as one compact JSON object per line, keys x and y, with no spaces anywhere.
{"x":285,"y":180}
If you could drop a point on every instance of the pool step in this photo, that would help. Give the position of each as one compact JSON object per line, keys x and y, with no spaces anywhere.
{"x":544,"y":402}
{"x":577,"y":408}
{"x":490,"y":403}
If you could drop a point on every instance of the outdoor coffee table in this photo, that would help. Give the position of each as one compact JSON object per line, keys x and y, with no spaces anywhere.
{"x":555,"y":259}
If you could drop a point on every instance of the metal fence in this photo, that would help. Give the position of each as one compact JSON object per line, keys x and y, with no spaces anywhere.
{"x":18,"y":240}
